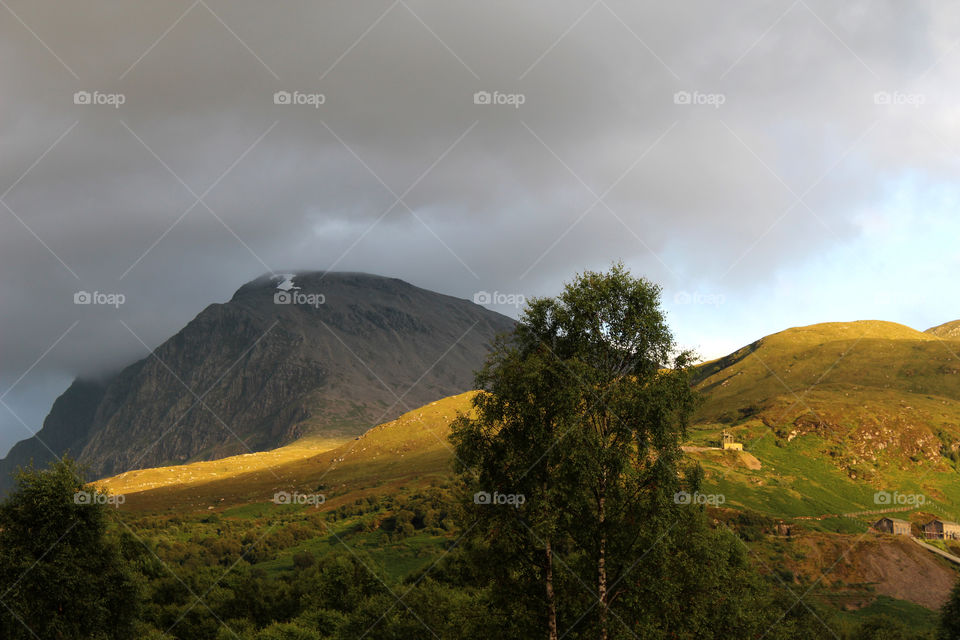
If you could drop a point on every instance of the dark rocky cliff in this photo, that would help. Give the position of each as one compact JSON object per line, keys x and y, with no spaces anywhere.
{"x":252,"y":374}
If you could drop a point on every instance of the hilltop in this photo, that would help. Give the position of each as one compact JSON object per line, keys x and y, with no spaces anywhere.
{"x":309,"y":354}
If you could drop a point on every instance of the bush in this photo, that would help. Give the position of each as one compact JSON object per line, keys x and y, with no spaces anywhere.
{"x":303,"y":559}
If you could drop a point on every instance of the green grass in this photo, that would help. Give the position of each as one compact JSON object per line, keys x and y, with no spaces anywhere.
{"x":914,"y":616}
{"x":838,"y":525}
{"x":391,"y":560}
{"x":407,"y":556}
{"x":249,"y":511}
{"x":796,"y":480}
{"x":800,"y":479}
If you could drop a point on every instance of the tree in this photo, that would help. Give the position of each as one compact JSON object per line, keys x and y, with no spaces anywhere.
{"x":60,"y":575}
{"x":579,"y":420}
{"x":582,"y":411}
{"x":510,"y":449}
{"x":635,"y":402}
{"x":884,"y":627}
{"x":950,"y":616}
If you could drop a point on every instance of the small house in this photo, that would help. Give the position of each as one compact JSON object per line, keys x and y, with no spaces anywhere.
{"x":893,"y":525}
{"x":938,"y":529}
{"x":727,"y":442}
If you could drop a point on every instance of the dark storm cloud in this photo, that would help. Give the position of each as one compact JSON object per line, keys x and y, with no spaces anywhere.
{"x":199,"y":182}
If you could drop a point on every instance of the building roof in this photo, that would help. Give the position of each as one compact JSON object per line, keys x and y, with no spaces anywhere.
{"x":945,"y":522}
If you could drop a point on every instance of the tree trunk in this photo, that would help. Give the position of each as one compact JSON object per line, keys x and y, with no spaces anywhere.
{"x":602,"y":560}
{"x":551,"y":598}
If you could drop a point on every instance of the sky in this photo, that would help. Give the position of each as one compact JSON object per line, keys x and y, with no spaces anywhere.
{"x":769,"y":164}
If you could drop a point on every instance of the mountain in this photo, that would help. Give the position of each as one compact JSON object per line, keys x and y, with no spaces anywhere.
{"x":887,"y":386}
{"x":65,"y":428}
{"x":829,"y":414}
{"x":887,"y":391}
{"x":833,"y":413}
{"x":311,"y":354}
{"x":947,"y":330}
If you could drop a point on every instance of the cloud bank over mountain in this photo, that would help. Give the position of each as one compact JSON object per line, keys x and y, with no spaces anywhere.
{"x":760,"y":160}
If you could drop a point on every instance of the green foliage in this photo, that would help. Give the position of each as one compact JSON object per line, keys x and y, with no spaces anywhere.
{"x":882,"y":628}
{"x":695,"y":581}
{"x":583,"y":411}
{"x":60,"y":575}
{"x":287,"y":631}
{"x":950,"y":616}
{"x":303,"y":559}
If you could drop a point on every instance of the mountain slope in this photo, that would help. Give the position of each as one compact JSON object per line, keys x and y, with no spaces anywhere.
{"x":947,"y":330}
{"x":829,"y":414}
{"x":836,"y":376}
{"x":65,"y":428}
{"x":350,"y":351}
{"x":835,"y":412}
{"x":411,"y":448}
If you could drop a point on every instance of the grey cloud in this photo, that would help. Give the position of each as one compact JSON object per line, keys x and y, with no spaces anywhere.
{"x":705,"y":192}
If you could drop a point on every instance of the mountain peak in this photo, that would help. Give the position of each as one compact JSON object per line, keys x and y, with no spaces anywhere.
{"x":315,"y":281}
{"x":327,"y":354}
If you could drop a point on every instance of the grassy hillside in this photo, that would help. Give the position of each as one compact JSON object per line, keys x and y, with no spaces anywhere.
{"x":834,"y":413}
{"x":947,"y":330}
{"x":199,"y":473}
{"x":411,"y":449}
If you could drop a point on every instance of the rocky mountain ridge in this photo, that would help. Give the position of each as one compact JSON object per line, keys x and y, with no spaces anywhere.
{"x":324,"y":354}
